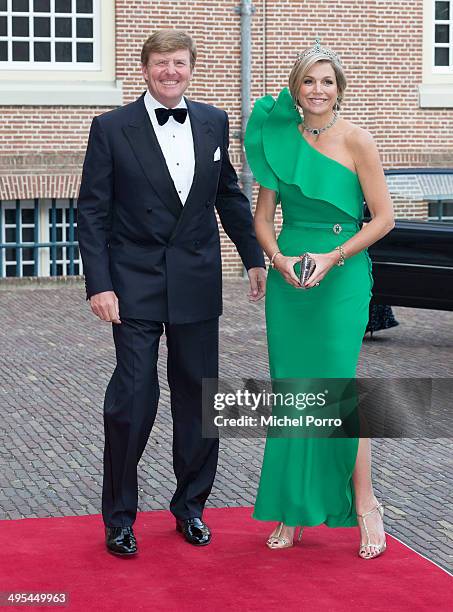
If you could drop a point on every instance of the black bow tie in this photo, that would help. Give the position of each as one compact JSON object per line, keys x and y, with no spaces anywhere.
{"x":163,"y":114}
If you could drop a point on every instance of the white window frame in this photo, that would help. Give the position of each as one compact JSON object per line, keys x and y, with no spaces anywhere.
{"x":69,"y":86}
{"x":436,"y":89}
{"x":442,"y":69}
{"x":53,"y":65}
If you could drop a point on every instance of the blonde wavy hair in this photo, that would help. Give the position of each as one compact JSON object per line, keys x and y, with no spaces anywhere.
{"x":301,"y":68}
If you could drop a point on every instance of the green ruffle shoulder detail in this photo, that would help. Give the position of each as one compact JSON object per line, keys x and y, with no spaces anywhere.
{"x":253,"y":143}
{"x":277,"y":151}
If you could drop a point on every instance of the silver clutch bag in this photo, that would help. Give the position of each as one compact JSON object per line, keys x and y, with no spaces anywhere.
{"x":307,"y":267}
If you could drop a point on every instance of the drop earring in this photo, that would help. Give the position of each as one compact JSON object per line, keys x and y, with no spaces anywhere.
{"x":298,"y":108}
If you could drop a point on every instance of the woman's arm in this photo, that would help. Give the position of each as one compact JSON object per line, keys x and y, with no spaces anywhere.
{"x":265,"y":232}
{"x":374,"y":187}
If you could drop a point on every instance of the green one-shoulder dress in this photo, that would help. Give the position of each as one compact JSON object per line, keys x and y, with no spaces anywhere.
{"x":315,"y":333}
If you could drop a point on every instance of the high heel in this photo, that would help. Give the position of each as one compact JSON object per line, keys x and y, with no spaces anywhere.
{"x":277,"y":541}
{"x":379,"y":549}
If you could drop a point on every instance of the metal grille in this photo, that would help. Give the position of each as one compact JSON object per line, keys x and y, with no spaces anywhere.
{"x":39,"y":238}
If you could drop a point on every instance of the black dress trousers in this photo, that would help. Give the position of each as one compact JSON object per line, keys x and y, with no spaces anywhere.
{"x":130,"y":409}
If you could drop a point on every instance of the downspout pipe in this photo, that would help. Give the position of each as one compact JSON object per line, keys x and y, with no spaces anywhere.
{"x":246,"y":11}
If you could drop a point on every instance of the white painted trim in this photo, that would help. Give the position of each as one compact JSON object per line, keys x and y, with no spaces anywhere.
{"x":419,"y":554}
{"x":61,"y":93}
{"x":436,"y":95}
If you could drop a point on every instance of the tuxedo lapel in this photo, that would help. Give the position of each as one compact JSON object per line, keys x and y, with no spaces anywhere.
{"x":203,"y":142}
{"x":144,"y":143}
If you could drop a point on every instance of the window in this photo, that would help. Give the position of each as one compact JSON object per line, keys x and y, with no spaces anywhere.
{"x":422,"y":193}
{"x":70,"y":46}
{"x":436,"y":90}
{"x":39,"y":238}
{"x":49,"y":34}
{"x":443,"y":48}
{"x":18,"y":227}
{"x":440,"y":210}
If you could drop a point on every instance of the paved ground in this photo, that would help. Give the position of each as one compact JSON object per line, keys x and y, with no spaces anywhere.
{"x":55,"y":362}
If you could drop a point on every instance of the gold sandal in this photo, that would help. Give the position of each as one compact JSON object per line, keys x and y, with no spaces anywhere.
{"x":379,"y":549}
{"x":277,"y":541}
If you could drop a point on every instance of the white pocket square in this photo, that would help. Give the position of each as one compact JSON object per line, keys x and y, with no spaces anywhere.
{"x":217,"y":154}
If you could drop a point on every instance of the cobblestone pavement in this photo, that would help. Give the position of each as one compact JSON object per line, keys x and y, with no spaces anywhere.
{"x":56,"y":359}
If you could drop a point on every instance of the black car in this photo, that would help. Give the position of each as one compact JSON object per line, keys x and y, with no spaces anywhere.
{"x":413,"y":264}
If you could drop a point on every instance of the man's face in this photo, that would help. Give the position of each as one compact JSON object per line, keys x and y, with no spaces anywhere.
{"x":168,"y":76}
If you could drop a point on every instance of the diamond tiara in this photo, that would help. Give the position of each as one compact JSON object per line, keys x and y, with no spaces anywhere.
{"x":316,"y":50}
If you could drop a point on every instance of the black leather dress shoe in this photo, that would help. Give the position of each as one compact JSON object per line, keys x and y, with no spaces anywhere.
{"x":194,"y":531}
{"x":121,"y":541}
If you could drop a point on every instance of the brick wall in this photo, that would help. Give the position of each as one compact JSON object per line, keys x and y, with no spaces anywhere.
{"x":380,"y":42}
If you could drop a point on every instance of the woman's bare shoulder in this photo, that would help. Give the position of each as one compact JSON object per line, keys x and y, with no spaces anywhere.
{"x":357,"y":138}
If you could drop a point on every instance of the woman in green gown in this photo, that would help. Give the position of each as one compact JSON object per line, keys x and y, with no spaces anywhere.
{"x":319,"y":168}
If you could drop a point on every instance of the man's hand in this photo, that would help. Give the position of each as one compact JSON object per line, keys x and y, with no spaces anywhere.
{"x":105,"y":306}
{"x":257,"y":278}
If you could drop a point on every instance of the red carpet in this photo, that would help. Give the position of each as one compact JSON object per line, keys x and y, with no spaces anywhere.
{"x":236,"y":571}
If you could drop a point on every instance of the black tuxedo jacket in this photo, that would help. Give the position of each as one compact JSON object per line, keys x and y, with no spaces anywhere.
{"x":162,"y":259}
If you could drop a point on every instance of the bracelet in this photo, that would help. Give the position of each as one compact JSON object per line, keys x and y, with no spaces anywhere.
{"x":340,"y":262}
{"x":273,"y":258}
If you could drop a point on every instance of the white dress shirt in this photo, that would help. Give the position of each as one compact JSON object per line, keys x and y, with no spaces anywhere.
{"x":176,"y":141}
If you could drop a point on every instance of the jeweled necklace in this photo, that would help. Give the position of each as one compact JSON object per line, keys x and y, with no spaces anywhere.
{"x":318,"y":131}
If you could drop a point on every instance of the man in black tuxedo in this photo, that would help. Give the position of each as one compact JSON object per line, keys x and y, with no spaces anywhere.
{"x":155,"y":171}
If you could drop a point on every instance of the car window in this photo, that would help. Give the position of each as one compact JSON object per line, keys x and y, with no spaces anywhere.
{"x":421,"y":195}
